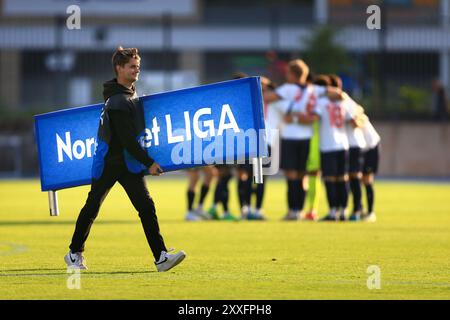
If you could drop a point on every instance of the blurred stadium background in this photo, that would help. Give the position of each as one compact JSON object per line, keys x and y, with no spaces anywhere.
{"x":44,"y":66}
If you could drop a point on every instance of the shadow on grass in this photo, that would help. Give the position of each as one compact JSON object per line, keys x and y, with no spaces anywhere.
{"x":72,"y":222}
{"x":63,"y":272}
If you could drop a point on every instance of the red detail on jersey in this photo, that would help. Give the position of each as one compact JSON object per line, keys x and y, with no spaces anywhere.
{"x":336,"y":115}
{"x":311,"y":104}
{"x":298,"y":96}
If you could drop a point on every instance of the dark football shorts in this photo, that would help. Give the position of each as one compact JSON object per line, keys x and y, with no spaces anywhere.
{"x":355,"y":160}
{"x":334,"y":163}
{"x":371,"y":160}
{"x":294,"y":154}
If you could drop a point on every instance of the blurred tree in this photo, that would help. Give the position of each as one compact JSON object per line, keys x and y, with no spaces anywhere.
{"x":323,"y":54}
{"x":413,"y":100}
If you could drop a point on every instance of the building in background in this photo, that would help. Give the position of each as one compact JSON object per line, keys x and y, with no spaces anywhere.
{"x":188,"y":42}
{"x":45,"y":66}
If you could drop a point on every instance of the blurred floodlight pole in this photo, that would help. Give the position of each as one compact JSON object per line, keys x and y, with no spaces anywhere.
{"x":444,"y":69}
{"x":445,"y":13}
{"x":167,"y":49}
{"x":382,"y":68}
{"x":321,"y":11}
{"x":58,"y":51}
{"x":274,"y":28}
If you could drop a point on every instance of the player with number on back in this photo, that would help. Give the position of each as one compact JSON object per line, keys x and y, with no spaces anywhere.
{"x":357,"y":143}
{"x":334,"y":151}
{"x":296,"y":134}
{"x":370,"y":167}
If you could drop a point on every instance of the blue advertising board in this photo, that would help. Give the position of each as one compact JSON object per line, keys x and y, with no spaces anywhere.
{"x":211,"y":124}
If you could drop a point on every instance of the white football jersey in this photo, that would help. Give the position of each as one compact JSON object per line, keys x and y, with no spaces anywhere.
{"x":298,"y":97}
{"x":333,"y":118}
{"x":274,"y":117}
{"x":371,"y":135}
{"x":355,"y":135}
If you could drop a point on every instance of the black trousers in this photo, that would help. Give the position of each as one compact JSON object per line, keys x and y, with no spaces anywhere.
{"x":134,"y":185}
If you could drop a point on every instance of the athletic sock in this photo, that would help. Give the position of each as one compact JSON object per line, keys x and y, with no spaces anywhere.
{"x":355,"y":186}
{"x":225,"y":192}
{"x":370,"y":197}
{"x":291,"y":193}
{"x":331,"y":194}
{"x":259,"y":195}
{"x":190,"y":196}
{"x":248,"y":191}
{"x":313,"y":193}
{"x":218,"y":192}
{"x":346,"y":192}
{"x":342,"y":194}
{"x":301,"y":195}
{"x":225,"y":198}
{"x":203,"y":193}
{"x":338,"y":194}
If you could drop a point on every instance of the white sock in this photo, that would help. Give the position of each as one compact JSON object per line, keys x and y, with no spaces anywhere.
{"x":333,"y":212}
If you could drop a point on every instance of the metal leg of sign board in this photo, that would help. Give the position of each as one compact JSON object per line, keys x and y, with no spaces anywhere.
{"x":257,"y":170}
{"x":53,"y":203}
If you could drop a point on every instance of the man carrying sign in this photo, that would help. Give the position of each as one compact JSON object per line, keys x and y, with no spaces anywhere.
{"x":115,"y":158}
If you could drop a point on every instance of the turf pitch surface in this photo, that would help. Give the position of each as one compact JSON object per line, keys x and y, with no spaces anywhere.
{"x":410,"y":243}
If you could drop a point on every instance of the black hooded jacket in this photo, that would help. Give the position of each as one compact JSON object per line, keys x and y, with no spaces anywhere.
{"x":122,"y":121}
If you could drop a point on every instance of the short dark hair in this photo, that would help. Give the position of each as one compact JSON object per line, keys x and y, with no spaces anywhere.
{"x":121,"y":57}
{"x":239,"y":75}
{"x":310,"y":78}
{"x":336,"y":81}
{"x":267,"y":82}
{"x":322,"y":80}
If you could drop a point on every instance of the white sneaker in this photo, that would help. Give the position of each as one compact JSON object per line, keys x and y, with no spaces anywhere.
{"x":169,"y":260}
{"x":245,"y":210}
{"x":370,"y":217}
{"x":331,"y":216}
{"x":342,"y":214}
{"x":192,"y":216}
{"x":75,"y":260}
{"x":256,"y":215}
{"x":202,"y":214}
{"x":291,"y":216}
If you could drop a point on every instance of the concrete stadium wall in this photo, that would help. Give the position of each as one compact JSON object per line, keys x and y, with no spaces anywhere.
{"x":407,"y":149}
{"x":414,"y":149}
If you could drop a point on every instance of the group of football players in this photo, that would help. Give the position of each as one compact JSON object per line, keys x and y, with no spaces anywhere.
{"x":322,"y":133}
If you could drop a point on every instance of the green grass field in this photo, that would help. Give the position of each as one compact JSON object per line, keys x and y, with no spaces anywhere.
{"x":410,"y":243}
